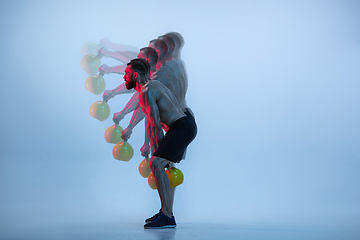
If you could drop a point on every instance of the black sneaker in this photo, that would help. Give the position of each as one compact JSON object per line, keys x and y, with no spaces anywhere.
{"x":162,"y":221}
{"x":149,"y":220}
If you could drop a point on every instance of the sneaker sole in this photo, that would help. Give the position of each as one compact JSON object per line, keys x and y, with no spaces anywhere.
{"x":167,"y":226}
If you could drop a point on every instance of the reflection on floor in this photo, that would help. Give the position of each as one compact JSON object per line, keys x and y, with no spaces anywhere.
{"x":183,"y":231}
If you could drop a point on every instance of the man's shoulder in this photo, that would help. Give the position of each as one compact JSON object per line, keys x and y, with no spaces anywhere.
{"x":178,"y":63}
{"x":146,"y":92}
{"x":164,"y":68}
{"x":150,"y":87}
{"x":153,"y":90}
{"x":163,"y":72}
{"x":173,"y":65}
{"x":153,"y":84}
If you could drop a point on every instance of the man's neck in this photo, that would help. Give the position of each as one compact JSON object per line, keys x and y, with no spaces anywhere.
{"x":138,"y":87}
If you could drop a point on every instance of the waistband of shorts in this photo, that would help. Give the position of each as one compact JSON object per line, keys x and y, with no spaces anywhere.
{"x":180,"y":121}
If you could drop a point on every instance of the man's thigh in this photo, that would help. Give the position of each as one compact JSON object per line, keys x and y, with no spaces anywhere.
{"x":160,"y":162}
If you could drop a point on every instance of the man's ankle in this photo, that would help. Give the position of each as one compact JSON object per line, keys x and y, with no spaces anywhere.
{"x":168,"y":214}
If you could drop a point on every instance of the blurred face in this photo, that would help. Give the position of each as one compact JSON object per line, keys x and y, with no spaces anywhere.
{"x":129,"y":78}
{"x":142,"y":55}
{"x":152,"y":45}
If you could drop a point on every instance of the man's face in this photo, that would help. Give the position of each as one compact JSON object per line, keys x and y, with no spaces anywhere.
{"x":141,"y":55}
{"x":152,"y":45}
{"x":129,"y":78}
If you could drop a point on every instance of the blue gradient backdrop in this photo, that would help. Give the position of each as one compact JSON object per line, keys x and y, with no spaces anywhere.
{"x":274,"y":86}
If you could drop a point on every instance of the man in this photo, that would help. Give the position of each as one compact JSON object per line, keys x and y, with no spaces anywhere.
{"x":162,"y":50}
{"x":122,"y":56}
{"x":152,"y":57}
{"x":126,"y":50}
{"x":171,"y":73}
{"x":174,"y":64}
{"x":161,"y":109}
{"x":156,"y":56}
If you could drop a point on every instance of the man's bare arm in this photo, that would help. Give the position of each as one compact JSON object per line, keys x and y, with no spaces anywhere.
{"x":145,"y":149}
{"x":137,"y":116}
{"x":121,"y":89}
{"x":105,"y":69}
{"x":153,"y":116}
{"x":129,"y":107}
{"x":117,"y":47}
{"x":122,"y":56}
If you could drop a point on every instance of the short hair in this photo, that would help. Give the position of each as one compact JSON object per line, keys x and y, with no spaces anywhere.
{"x":178,"y":38}
{"x":162,"y":46}
{"x":170,"y":42}
{"x":151,"y":54}
{"x":141,"y":66}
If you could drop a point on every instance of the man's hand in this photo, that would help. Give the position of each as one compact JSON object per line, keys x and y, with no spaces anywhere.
{"x":145,"y":150}
{"x":103,"y":52}
{"x":107,"y":95}
{"x":126,"y":133}
{"x":118,"y":117}
{"x":103,"y":69}
{"x":105,"y":41}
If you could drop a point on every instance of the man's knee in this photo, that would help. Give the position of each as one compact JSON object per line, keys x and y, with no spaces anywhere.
{"x":157,"y":162}
{"x":154,"y":162}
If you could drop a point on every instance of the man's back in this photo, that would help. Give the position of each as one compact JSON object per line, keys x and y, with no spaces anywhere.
{"x":172,"y":74}
{"x":155,"y":95}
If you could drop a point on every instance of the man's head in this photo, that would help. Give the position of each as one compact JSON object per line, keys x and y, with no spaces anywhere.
{"x":179,"y":42}
{"x":170,"y":44}
{"x":160,"y":47}
{"x":136,"y":72}
{"x":150,"y":55}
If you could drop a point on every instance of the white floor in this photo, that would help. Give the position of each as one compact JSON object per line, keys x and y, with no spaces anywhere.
{"x":183,"y":231}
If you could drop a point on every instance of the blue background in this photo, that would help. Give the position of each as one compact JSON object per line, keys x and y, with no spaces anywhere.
{"x":274,"y":86}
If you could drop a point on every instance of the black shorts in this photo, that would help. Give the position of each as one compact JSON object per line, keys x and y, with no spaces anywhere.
{"x":181,"y":133}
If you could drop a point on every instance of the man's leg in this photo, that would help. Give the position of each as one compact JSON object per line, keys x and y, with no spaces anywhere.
{"x":172,"y":191}
{"x":166,"y":194}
